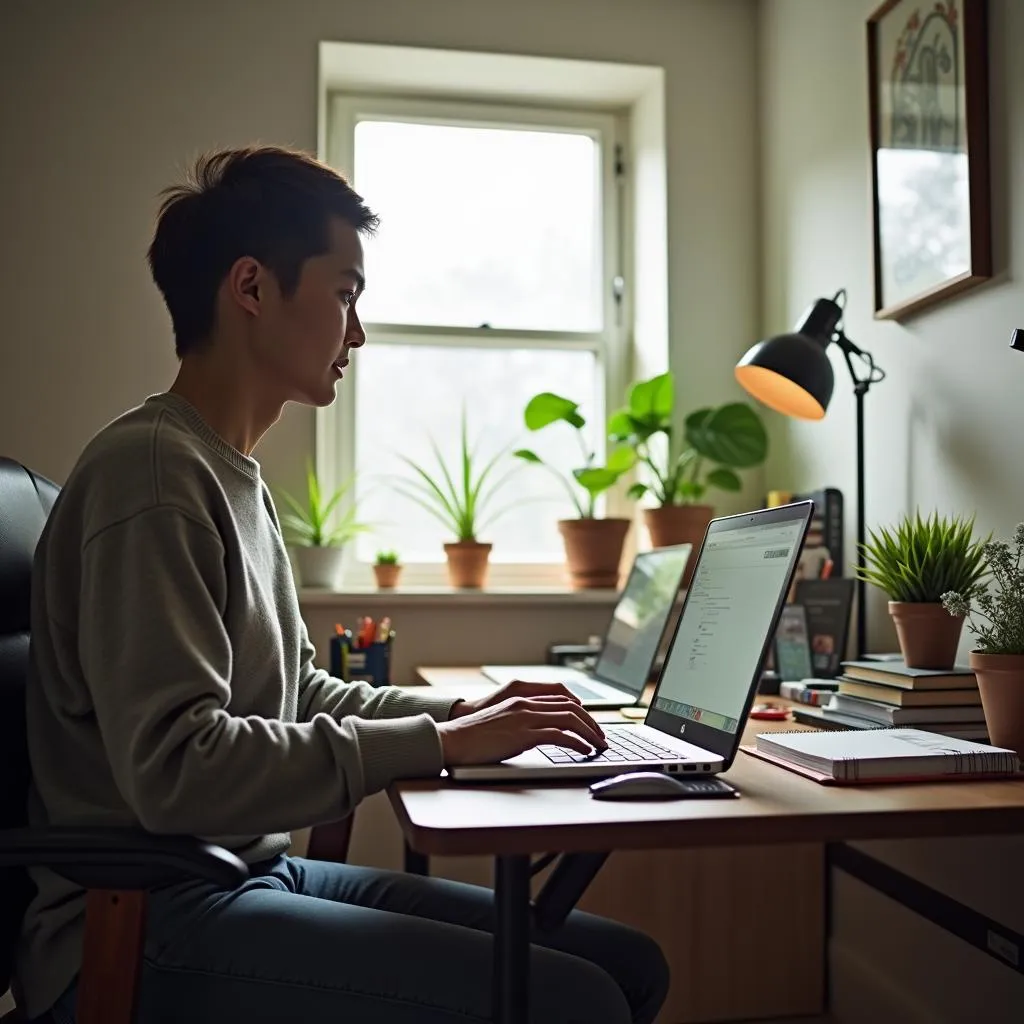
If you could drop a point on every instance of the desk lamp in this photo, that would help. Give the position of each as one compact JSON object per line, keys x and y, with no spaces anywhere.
{"x":792,"y":374}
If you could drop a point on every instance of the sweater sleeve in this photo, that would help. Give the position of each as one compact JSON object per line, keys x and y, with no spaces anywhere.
{"x":322,"y":693}
{"x":158,"y":662}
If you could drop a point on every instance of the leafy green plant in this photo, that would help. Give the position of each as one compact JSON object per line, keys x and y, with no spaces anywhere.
{"x":458,"y":496}
{"x":923,"y":559}
{"x":320,"y":521}
{"x":546,"y":408}
{"x":387,"y":558}
{"x":996,"y":613}
{"x":714,"y":443}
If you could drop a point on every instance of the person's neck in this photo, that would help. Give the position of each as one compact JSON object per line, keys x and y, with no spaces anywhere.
{"x":227,"y":396}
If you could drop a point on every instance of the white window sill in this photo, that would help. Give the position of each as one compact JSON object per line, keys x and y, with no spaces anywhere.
{"x":512,"y":595}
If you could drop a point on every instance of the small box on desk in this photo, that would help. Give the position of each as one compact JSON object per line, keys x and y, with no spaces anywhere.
{"x":368,"y":664}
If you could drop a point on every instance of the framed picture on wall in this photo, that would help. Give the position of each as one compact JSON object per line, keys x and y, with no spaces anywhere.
{"x":928,"y":102}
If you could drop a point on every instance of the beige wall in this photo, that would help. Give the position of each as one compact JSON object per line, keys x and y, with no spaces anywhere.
{"x":104,"y":101}
{"x":943,"y":432}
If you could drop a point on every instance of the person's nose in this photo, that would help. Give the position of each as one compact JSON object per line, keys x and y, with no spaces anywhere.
{"x":355,"y":336}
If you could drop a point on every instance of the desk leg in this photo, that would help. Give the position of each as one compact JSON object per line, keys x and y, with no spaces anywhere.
{"x":416,"y":863}
{"x":511,"y":980}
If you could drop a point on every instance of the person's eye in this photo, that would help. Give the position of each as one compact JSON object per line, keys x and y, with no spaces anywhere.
{"x":347,"y":297}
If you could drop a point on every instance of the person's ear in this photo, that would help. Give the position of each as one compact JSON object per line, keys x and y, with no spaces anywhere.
{"x":245,"y":281}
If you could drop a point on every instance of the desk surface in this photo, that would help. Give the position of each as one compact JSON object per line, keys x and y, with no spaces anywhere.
{"x":440,"y":817}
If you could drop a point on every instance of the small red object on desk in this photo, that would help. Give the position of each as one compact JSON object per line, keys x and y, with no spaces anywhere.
{"x":771,"y":712}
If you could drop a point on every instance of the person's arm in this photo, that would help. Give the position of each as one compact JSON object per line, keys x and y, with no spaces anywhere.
{"x":158,"y":662}
{"x":320,"y":692}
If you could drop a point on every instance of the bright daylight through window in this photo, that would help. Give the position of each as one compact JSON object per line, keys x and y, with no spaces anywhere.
{"x":487,"y":284}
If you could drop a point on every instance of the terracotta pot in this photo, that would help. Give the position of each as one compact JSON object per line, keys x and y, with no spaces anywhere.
{"x":1001,"y":682}
{"x":319,"y":566}
{"x":468,"y":562}
{"x":679,"y":524}
{"x":928,"y":634}
{"x":593,"y":551}
{"x":387,"y":575}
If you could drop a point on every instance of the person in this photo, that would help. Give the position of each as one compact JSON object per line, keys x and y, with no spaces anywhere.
{"x":172,"y":684}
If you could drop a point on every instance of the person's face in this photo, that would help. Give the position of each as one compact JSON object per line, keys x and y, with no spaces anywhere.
{"x":302,"y":342}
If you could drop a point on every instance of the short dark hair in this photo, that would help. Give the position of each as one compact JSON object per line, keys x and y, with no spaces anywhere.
{"x":270,"y":203}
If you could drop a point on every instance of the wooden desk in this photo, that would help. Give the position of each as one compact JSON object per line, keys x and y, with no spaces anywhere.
{"x":511,"y":822}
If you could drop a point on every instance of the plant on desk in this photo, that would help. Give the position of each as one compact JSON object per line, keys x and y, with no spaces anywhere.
{"x":593,"y":544}
{"x":318,"y":528}
{"x":995,"y":616}
{"x":916,"y":563}
{"x":682,"y":467}
{"x":460,"y":497}
{"x":387,"y":568}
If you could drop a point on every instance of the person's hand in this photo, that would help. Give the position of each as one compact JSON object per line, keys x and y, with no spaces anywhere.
{"x":502,"y":694}
{"x":519,"y":723}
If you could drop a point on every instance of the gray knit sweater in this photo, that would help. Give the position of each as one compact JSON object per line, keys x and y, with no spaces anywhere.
{"x":172,"y":683}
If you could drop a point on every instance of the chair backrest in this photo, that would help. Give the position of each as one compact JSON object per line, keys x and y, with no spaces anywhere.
{"x":25,"y":501}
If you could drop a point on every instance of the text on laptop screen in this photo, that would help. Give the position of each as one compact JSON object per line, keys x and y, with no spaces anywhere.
{"x":733,"y":596}
{"x":640,"y":616}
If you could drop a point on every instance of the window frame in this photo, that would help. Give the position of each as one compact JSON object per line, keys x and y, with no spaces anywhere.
{"x":335,"y":427}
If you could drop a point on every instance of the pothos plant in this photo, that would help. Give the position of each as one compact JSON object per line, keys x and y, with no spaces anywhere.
{"x":587,"y":481}
{"x":683,"y":465}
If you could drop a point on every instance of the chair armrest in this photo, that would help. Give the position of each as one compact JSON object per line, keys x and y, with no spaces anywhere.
{"x":120,"y":858}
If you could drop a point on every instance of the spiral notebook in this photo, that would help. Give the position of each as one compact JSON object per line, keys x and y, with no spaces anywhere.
{"x":883,"y":755}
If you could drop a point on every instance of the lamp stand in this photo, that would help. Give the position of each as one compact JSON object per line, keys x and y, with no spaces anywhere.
{"x":860,"y":389}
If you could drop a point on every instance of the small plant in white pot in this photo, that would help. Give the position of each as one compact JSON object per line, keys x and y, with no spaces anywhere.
{"x":916,"y":564}
{"x":387,"y":568}
{"x":996,"y":618}
{"x":317,"y":529}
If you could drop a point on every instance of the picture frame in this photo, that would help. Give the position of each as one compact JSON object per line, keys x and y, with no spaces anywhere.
{"x":930,"y":191}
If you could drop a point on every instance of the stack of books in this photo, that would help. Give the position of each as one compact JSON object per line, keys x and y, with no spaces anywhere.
{"x":879,"y":695}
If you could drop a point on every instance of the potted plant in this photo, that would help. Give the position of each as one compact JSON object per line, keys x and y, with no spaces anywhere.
{"x":593,"y":545}
{"x":997,"y":621}
{"x":684,"y":466}
{"x":387,"y":569}
{"x":916,"y":564}
{"x":458,"y":497}
{"x":317,"y":530}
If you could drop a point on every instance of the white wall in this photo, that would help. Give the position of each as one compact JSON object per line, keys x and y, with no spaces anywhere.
{"x":942,"y":432}
{"x":103,"y":102}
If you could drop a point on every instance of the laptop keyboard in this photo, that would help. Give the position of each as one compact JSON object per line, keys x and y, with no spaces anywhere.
{"x":581,"y":691}
{"x":623,"y":747}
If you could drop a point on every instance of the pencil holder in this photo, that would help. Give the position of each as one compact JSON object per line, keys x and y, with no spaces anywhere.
{"x":370,"y":664}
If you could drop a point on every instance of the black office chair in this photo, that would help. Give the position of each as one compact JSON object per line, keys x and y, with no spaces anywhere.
{"x":116,"y":866}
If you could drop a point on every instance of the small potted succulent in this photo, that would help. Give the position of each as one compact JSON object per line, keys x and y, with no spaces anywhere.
{"x":460,"y":497}
{"x":916,"y":564}
{"x":683,"y":467}
{"x":593,"y":544}
{"x":996,"y":618}
{"x":317,"y":529}
{"x":387,"y":569}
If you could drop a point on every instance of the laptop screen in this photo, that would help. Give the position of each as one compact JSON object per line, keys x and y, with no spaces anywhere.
{"x":631,"y":643}
{"x":738,"y":589}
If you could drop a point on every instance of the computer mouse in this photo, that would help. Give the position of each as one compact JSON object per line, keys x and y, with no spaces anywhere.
{"x":637,"y":786}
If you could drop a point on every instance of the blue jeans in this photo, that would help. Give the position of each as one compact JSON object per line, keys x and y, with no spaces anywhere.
{"x":314,"y":941}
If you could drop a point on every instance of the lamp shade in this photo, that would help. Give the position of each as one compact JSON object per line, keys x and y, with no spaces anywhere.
{"x":789,"y":373}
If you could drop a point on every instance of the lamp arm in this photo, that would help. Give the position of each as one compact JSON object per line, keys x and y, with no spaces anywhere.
{"x":861,"y":382}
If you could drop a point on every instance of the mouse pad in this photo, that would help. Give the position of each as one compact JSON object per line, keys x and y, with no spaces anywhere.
{"x":707,"y":787}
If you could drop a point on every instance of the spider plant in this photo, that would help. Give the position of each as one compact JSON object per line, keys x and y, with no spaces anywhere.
{"x":459,"y":495}
{"x":321,"y":521}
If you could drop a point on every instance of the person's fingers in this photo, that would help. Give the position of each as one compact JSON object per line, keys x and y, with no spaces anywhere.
{"x":560,"y":738}
{"x":545,"y":689}
{"x":573,"y":721}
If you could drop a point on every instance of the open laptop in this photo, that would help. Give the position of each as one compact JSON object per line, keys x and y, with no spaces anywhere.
{"x":631,"y":642}
{"x":710,"y":674}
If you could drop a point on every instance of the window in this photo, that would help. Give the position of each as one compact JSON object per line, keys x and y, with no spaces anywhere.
{"x":495,"y":275}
